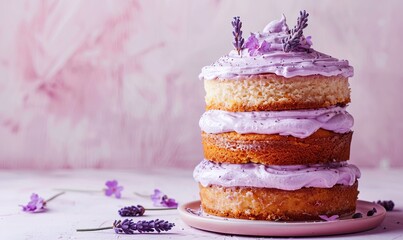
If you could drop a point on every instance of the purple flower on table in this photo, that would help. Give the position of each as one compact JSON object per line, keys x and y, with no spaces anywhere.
{"x":113,"y":189}
{"x":161,"y":199}
{"x":37,"y":204}
{"x":254,"y":47}
{"x":328,"y":219}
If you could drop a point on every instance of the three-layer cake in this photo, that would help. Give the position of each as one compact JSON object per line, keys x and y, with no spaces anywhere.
{"x":276,"y":134}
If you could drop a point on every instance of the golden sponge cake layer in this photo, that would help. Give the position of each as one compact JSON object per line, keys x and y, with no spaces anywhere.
{"x":321,"y":147}
{"x":275,"y":204}
{"x":270,"y":92}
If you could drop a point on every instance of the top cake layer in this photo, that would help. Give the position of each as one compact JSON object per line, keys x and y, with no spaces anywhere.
{"x":264,"y":53}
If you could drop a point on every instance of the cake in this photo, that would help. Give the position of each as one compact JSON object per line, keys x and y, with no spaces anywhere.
{"x":276,"y":134}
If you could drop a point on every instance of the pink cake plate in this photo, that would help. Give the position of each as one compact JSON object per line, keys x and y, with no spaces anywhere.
{"x":190,"y":214}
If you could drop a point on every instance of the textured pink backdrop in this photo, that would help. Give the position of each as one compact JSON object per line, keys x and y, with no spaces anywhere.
{"x":114,"y":83}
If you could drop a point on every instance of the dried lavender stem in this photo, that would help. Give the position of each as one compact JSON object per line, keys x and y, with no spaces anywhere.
{"x":78,"y":190}
{"x":142,"y":195}
{"x":157,"y":209}
{"x":93,"y":229}
{"x":55,"y":196}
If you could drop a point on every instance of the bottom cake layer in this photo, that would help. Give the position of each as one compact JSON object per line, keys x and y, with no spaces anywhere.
{"x":275,"y":204}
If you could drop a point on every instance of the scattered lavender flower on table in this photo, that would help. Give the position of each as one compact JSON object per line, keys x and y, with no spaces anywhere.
{"x":132,"y":211}
{"x":371,"y":212}
{"x":113,"y":189}
{"x":238,"y":39}
{"x":37,"y":204}
{"x":388,"y":205}
{"x":328,"y":219}
{"x":293,"y":41}
{"x":252,"y":44}
{"x":161,"y":199}
{"x":127,"y":226}
{"x":136,"y":211}
{"x":357,"y":215}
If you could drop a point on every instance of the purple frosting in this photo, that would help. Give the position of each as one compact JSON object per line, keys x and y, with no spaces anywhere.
{"x":281,"y":177}
{"x":287,"y":64}
{"x":297,"y":123}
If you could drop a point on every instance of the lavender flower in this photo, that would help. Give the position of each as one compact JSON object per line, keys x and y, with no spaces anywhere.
{"x":136,"y":211}
{"x":37,"y":204}
{"x":293,"y":41}
{"x":113,"y":189}
{"x":388,"y":205}
{"x":132,"y":211}
{"x":161,"y":199}
{"x":328,"y":219}
{"x":238,"y":39}
{"x":127,"y":226}
{"x":252,"y":44}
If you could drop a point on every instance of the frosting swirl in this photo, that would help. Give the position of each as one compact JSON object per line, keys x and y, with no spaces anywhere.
{"x":287,"y":64}
{"x":297,"y":123}
{"x":280,"y":177}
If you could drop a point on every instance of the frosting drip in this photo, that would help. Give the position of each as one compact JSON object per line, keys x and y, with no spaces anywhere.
{"x":280,"y":177}
{"x":287,"y":64}
{"x":297,"y":123}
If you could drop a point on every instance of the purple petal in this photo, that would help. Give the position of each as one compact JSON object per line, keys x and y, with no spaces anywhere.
{"x":169,"y":202}
{"x":252,"y":43}
{"x":109,"y":191}
{"x":40,"y":204}
{"x":36,"y":204}
{"x":264,"y":47}
{"x":34,"y":196}
{"x":112,"y":183}
{"x":118,"y":192}
{"x":118,"y":195}
{"x":157,"y":195}
{"x":309,"y":40}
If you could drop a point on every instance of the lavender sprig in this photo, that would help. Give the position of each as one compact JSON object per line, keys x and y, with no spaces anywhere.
{"x":388,"y":205}
{"x":238,"y":39}
{"x":127,"y":226}
{"x":293,"y":41}
{"x":136,"y":211}
{"x":38,"y":204}
{"x":132,"y":211}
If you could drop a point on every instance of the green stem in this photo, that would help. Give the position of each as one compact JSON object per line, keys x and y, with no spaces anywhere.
{"x":142,"y":195}
{"x":157,"y":209}
{"x":93,"y":229}
{"x":55,"y":196}
{"x":78,"y":190}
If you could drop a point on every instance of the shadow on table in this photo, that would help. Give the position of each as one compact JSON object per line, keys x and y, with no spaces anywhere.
{"x":393,"y":223}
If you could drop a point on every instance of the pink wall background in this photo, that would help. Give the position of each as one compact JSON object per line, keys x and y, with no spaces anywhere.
{"x":114,"y":83}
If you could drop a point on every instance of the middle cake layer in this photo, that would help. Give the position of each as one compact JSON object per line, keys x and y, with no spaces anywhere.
{"x":277,"y":137}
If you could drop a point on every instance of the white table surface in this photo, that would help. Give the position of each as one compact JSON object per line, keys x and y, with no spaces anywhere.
{"x":84,"y":210}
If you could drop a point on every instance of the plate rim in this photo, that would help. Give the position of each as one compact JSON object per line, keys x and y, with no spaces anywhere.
{"x":217,"y":224}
